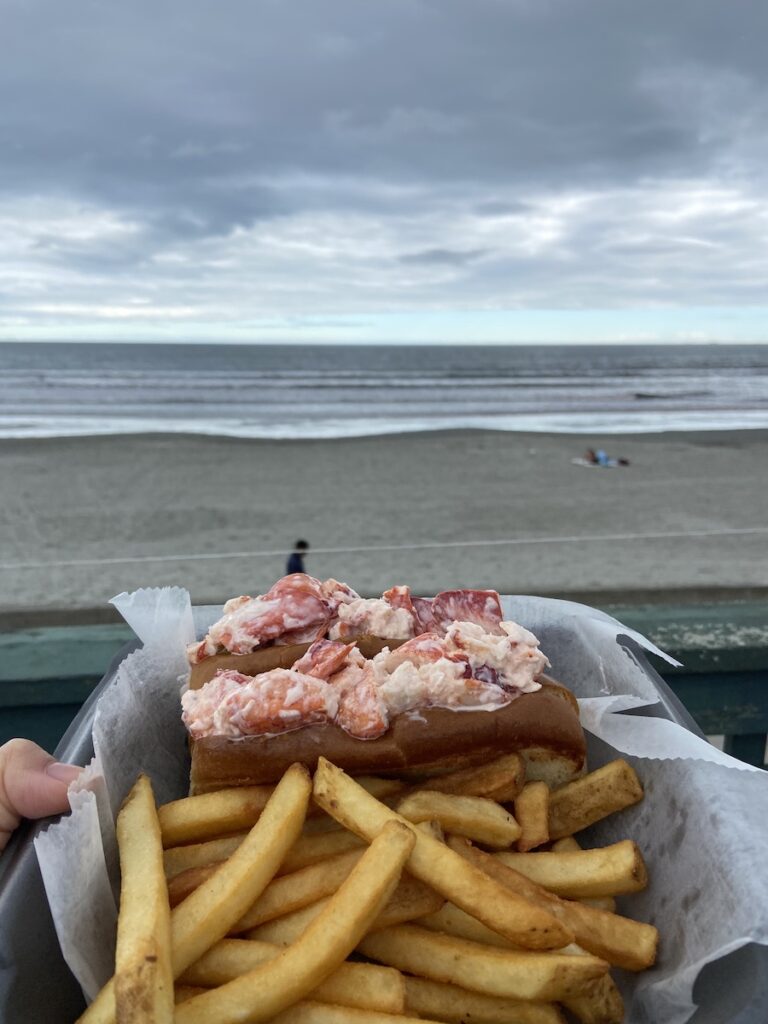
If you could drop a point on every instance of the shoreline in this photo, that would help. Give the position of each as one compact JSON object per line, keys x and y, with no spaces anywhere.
{"x":437,"y":509}
{"x":578,"y":436}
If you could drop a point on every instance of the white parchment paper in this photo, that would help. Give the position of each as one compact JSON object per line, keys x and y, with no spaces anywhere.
{"x":702,"y":826}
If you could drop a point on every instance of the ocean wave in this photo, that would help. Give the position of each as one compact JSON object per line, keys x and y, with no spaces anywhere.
{"x":600,"y":423}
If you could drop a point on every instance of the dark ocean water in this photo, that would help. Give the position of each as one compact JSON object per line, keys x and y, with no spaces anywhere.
{"x":278,"y":391}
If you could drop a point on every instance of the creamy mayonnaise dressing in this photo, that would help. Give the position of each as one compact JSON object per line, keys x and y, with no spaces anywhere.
{"x":514,"y":656}
{"x":372,"y":617}
{"x":468,"y":669}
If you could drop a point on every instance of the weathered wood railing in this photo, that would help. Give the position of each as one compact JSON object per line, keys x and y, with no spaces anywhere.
{"x":723,"y":681}
{"x":46,"y":674}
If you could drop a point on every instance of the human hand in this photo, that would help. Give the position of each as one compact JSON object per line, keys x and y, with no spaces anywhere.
{"x":32,"y":785}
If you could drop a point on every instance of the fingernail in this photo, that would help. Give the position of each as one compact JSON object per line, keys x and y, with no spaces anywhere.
{"x":63,"y":772}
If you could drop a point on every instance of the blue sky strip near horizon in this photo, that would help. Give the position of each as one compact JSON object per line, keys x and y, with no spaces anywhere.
{"x":415,"y":170}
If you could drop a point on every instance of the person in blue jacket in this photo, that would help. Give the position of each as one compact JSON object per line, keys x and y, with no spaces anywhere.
{"x":296,"y":558}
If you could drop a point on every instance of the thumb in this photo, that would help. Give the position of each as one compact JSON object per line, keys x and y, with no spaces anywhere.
{"x":32,"y":784}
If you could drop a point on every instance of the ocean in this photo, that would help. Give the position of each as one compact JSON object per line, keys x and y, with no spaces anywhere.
{"x":278,"y":391}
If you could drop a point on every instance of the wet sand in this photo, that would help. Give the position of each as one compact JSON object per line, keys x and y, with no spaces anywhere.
{"x":136,"y":511}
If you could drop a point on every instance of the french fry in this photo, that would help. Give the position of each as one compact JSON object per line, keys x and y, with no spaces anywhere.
{"x":600,"y":1003}
{"x":212,"y":814}
{"x":433,"y":862}
{"x":312,"y":849}
{"x":306,"y":850}
{"x":182,"y":992}
{"x":581,"y":803}
{"x":207,"y":915}
{"x":451,"y":920}
{"x":367,"y":986}
{"x":506,"y":973}
{"x":619,"y":940}
{"x":472,"y":816}
{"x":458,"y":1005}
{"x":382,"y":789}
{"x":268,"y":989}
{"x":607,"y":871}
{"x":200,"y":855}
{"x":565,"y":845}
{"x":598,"y":902}
{"x":411,"y":899}
{"x":319,"y":825}
{"x":292,"y":892}
{"x":143,"y":977}
{"x":322,"y":1013}
{"x":185,"y":883}
{"x":532,"y":813}
{"x":607,"y":903}
{"x":284,"y":893}
{"x":499,"y":780}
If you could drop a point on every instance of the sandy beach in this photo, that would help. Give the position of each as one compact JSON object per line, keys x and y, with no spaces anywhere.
{"x":134,"y":511}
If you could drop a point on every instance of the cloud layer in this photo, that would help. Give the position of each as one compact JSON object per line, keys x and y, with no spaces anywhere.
{"x":233,"y":169}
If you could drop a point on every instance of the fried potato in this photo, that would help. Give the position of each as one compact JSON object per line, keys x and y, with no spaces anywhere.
{"x":594,"y":796}
{"x":268,"y":989}
{"x":182,"y":992}
{"x":411,"y":899}
{"x":565,"y":845}
{"x":532,"y":812}
{"x":499,"y":780}
{"x":506,"y":973}
{"x":600,"y":1000}
{"x":619,"y":940}
{"x":458,"y":1005}
{"x":322,"y":1013}
{"x":292,"y":892}
{"x":451,"y":920}
{"x":433,"y":862}
{"x":607,"y":903}
{"x":212,"y":815}
{"x":178,"y":859}
{"x":472,"y":816}
{"x":608,"y":871}
{"x":368,"y":986}
{"x":143,"y":976}
{"x":185,"y":883}
{"x":207,"y":915}
{"x":312,"y":849}
{"x":600,"y":1003}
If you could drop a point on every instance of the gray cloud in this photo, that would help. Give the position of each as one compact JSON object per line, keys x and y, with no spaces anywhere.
{"x":444,"y":257}
{"x":265,"y":159}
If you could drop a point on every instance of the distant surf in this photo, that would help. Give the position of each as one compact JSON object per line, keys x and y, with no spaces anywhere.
{"x":279,"y":392}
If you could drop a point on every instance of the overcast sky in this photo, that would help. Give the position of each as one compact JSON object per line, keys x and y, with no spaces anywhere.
{"x":348,"y":170}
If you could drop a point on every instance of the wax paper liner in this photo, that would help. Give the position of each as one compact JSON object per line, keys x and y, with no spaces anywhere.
{"x":72,"y":859}
{"x":698,"y":826}
{"x":136,"y":729}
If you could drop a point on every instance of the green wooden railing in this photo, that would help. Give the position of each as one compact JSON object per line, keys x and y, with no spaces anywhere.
{"x":723,"y":681}
{"x":47,"y":673}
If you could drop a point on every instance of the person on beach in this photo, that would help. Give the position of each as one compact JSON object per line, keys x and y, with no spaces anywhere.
{"x":296,"y":558}
{"x":32,"y":785}
{"x":601,"y":458}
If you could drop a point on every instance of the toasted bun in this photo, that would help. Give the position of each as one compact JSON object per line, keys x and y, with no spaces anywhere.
{"x":267,"y":658}
{"x":542,"y":726}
